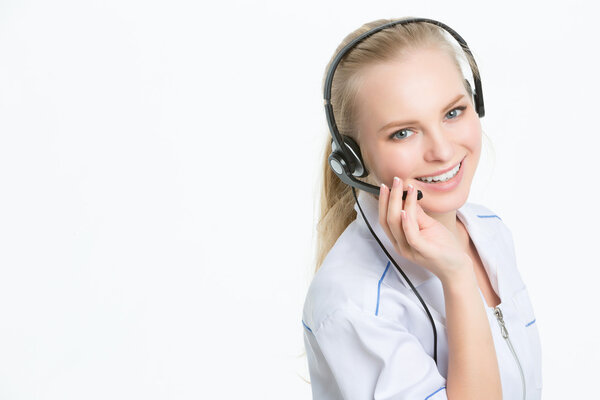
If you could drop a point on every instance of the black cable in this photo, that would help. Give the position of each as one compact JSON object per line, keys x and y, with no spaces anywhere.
{"x":404,"y":275}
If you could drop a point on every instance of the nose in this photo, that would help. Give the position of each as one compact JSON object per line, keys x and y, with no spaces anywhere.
{"x":438,"y":145}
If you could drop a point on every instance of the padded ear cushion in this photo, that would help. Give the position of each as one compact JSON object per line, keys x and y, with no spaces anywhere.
{"x":357,"y":165}
{"x":339,"y":163}
{"x":468,"y":84}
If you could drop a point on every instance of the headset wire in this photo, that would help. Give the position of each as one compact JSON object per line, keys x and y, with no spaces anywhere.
{"x":404,"y":275}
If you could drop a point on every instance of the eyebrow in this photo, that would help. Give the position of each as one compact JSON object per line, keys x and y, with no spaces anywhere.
{"x":396,"y":123}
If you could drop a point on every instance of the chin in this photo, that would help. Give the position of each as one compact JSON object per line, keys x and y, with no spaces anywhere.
{"x":443,"y":203}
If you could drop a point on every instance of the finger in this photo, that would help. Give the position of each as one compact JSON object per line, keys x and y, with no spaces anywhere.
{"x":384,"y":197}
{"x":409,"y":223}
{"x":422,"y":217}
{"x":394,"y":215}
{"x":423,"y":220}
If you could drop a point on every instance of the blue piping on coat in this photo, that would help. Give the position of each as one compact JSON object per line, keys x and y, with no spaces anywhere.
{"x":379,"y":287}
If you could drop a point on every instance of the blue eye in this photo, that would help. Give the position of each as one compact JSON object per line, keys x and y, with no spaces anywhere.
{"x":402,"y":134}
{"x":455,"y":112}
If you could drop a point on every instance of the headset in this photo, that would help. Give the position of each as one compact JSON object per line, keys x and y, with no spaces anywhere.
{"x":345,"y":159}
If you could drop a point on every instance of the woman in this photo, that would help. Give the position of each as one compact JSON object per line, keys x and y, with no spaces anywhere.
{"x":386,"y":277}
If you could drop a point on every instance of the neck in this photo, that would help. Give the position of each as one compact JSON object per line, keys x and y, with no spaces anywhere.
{"x":451,"y":221}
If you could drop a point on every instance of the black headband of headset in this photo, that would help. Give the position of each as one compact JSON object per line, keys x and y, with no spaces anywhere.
{"x":346,"y":175}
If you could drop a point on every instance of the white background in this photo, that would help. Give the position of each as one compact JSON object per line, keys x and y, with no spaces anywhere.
{"x":158,"y":174}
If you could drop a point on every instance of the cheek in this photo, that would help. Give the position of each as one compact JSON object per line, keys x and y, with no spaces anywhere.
{"x":472,"y":135}
{"x":390,"y":162}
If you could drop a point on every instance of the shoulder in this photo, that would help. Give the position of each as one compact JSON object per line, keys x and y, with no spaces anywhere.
{"x":349,"y":278}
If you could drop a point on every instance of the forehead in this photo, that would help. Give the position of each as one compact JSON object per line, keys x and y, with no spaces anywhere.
{"x":422,"y":82}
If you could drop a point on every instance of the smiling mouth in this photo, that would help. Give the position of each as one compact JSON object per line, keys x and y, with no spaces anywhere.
{"x":442,"y":177}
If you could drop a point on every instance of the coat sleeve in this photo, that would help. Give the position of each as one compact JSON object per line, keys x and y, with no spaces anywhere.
{"x":374,"y":358}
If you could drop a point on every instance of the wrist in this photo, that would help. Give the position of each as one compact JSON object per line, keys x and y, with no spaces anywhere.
{"x":460,"y":275}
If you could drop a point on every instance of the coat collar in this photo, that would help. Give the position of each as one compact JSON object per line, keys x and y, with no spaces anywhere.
{"x":482,"y":237}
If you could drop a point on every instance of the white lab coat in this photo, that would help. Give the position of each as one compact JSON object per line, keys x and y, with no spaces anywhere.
{"x":367,"y":335}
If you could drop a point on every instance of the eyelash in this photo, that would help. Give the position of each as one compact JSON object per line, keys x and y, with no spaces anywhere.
{"x":460,"y":108}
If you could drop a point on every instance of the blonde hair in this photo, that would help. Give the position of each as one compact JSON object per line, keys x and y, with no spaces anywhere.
{"x":337,"y":202}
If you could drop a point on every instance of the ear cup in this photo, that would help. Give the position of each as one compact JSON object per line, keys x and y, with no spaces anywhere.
{"x":470,"y":89}
{"x":339,"y":163}
{"x":476,"y":101}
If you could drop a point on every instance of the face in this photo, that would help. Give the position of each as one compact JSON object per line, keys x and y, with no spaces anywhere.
{"x":415,"y":119}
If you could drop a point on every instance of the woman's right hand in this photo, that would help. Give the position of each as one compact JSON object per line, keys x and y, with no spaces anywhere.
{"x":418,"y":237}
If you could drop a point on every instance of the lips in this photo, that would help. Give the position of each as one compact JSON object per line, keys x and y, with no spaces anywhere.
{"x":440,"y":172}
{"x":443,"y":186}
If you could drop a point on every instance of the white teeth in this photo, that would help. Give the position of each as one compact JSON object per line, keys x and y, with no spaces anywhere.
{"x":443,"y":177}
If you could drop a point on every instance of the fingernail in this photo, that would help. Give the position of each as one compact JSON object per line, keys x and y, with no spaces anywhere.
{"x":403,"y":214}
{"x":383,"y":186}
{"x":410,"y":188}
{"x":396,"y":180}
